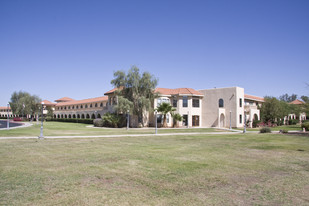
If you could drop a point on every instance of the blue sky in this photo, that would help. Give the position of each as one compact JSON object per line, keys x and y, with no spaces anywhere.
{"x":57,"y":48}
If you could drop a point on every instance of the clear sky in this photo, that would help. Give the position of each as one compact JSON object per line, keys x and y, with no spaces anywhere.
{"x":57,"y":48}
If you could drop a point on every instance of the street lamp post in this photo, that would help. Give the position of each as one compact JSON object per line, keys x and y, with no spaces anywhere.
{"x":128,"y":119}
{"x":8,"y":123}
{"x":156,"y":121}
{"x":245,"y":123}
{"x":41,"y":134}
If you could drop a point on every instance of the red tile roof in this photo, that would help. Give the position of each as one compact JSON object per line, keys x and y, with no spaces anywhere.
{"x":297,"y":101}
{"x":64,"y":99}
{"x":5,"y":108}
{"x":178,"y":91}
{"x":83,"y":101}
{"x":48,"y":103}
{"x":251,"y":97}
{"x":113,"y":90}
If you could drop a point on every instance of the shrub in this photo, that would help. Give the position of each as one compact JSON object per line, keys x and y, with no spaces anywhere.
{"x":84,"y":121}
{"x":265,"y":130}
{"x":285,"y":131}
{"x":113,"y":120}
{"x":255,"y":123}
{"x":305,"y":125}
{"x":293,"y":121}
{"x":98,"y":122}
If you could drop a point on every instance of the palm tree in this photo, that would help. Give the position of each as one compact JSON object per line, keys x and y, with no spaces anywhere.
{"x":176,"y":118}
{"x":165,"y":108}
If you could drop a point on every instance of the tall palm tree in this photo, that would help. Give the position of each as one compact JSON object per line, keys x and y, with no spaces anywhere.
{"x":165,"y":108}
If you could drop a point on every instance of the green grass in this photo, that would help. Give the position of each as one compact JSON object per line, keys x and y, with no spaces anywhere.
{"x":284,"y":127}
{"x":77,"y":129}
{"x":237,"y":169}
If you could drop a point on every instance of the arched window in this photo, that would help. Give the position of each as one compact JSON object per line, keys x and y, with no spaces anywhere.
{"x":93,"y":116}
{"x":65,"y":116}
{"x":70,"y":116}
{"x":81,"y":106}
{"x":101,"y":105}
{"x":74,"y":116}
{"x":99,"y":116}
{"x":83,"y":116}
{"x":87,"y":116}
{"x":221,"y":103}
{"x":90,"y":105}
{"x":86,"y":106}
{"x":78,"y":116}
{"x":96,"y":105}
{"x":58,"y":116}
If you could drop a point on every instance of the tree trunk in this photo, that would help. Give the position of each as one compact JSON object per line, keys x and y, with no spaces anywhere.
{"x":164,"y":121}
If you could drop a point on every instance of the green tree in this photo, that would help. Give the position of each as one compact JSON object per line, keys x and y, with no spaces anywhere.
{"x":288,"y":98}
{"x":165,"y":108}
{"x":136,"y":93}
{"x":24,"y":103}
{"x":273,"y":110}
{"x":176,"y":118}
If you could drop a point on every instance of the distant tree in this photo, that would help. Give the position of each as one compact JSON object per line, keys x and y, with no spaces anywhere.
{"x":305,"y":99}
{"x":24,"y":103}
{"x":272,"y":110}
{"x":136,"y":93}
{"x":165,"y":108}
{"x":288,"y":98}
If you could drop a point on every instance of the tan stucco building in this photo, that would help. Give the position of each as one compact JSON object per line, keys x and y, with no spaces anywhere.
{"x":218,"y":107}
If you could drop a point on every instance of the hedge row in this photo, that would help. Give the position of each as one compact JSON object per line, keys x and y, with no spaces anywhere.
{"x":85,"y":121}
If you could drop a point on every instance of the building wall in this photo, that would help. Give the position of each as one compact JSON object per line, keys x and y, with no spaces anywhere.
{"x":231,"y":112}
{"x":4,"y":112}
{"x":189,"y":110}
{"x":67,"y":111}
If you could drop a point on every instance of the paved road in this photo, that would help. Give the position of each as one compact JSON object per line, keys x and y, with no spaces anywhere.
{"x":3,"y":124}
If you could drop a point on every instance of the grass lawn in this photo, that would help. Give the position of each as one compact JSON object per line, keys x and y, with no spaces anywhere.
{"x":77,"y":129}
{"x":234,"y":169}
{"x":284,"y":127}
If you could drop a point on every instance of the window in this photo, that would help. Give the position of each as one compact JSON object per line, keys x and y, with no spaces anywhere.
{"x":196,"y":103}
{"x":240,"y":102}
{"x":195,"y":120}
{"x":65,"y":107}
{"x":175,"y":102}
{"x":101,"y":105}
{"x":184,"y":101}
{"x":77,"y":107}
{"x":240,"y":118}
{"x":69,"y":107}
{"x":73,"y":107}
{"x":81,"y":106}
{"x":221,"y":103}
{"x":90,"y":105}
{"x":161,"y":100}
{"x":86,"y":106}
{"x":96,"y":105}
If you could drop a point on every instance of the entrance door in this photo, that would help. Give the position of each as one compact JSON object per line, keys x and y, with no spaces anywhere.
{"x":195,"y":120}
{"x":185,"y":120}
